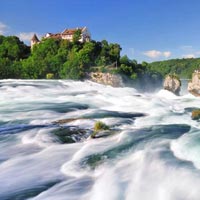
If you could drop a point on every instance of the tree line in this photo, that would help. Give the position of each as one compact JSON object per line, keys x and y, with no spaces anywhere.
{"x":182,"y":67}
{"x":62,"y":59}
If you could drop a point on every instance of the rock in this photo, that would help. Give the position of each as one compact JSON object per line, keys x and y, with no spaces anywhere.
{"x":100,"y":134}
{"x":194,"y":84}
{"x":172,"y":83}
{"x":196,"y":114}
{"x":64,"y":121}
{"x":114,"y":80}
{"x":67,"y":134}
{"x":100,"y":130}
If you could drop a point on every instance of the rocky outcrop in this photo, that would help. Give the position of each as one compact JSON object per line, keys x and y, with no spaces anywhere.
{"x":114,"y":80}
{"x":194,"y":84}
{"x":196,"y":114}
{"x":172,"y":83}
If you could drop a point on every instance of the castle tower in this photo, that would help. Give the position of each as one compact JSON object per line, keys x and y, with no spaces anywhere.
{"x":34,"y":40}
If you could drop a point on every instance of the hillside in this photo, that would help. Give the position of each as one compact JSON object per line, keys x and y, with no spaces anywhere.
{"x":182,"y":67}
{"x":62,"y":59}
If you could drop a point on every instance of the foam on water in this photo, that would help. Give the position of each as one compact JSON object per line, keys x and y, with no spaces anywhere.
{"x":187,"y":147}
{"x":152,"y":155}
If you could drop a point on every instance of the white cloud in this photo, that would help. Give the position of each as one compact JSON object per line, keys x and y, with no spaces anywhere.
{"x":189,"y":51}
{"x":3,"y":28}
{"x":189,"y":56}
{"x":153,"y":54}
{"x":157,"y":54}
{"x":26,"y":36}
{"x":167,"y":54}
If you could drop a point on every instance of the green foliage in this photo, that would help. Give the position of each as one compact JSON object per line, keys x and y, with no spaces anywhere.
{"x":5,"y":68}
{"x":140,"y":74}
{"x":77,"y":36}
{"x":72,"y":69}
{"x":99,"y":126}
{"x":12,"y":51}
{"x":182,"y":67}
{"x":72,"y":60}
{"x":49,"y":76}
{"x":114,"y":52}
{"x":103,"y":69}
{"x":12,"y":48}
{"x":62,"y":58}
{"x":134,"y":76}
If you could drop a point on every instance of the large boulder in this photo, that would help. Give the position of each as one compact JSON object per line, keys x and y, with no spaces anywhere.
{"x":114,"y":80}
{"x":172,"y":83}
{"x":194,"y":84}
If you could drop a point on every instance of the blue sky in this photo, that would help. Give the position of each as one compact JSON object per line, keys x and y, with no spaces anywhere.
{"x":147,"y":30}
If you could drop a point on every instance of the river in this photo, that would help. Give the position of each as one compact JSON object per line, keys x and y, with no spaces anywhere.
{"x":152,"y":152}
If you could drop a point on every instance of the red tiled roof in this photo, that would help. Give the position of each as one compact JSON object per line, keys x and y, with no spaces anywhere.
{"x":56,"y":35}
{"x":71,"y":31}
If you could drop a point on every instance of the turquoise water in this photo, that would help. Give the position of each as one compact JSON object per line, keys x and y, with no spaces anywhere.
{"x":152,"y":151}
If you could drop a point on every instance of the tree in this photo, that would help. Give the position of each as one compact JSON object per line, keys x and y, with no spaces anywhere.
{"x":71,"y":68}
{"x":104,"y":54}
{"x":125,"y":60}
{"x":77,"y":36}
{"x":114,"y":52}
{"x":12,"y":50}
{"x":86,"y":54}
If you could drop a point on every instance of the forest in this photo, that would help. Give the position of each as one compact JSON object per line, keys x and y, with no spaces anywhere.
{"x":182,"y":67}
{"x":62,"y":59}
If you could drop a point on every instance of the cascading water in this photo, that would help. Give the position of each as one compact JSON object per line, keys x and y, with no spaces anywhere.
{"x":152,"y":153}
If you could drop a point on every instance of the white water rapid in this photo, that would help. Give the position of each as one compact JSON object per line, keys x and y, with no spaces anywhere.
{"x":152,"y":152}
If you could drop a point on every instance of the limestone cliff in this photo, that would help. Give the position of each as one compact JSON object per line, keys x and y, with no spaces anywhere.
{"x":172,"y":83}
{"x":114,"y":80}
{"x":194,"y":84}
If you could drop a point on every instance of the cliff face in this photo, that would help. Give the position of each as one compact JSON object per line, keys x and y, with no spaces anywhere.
{"x":114,"y":80}
{"x":194,"y":84}
{"x":172,"y":83}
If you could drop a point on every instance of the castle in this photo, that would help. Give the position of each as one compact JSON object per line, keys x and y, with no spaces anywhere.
{"x":67,"y":34}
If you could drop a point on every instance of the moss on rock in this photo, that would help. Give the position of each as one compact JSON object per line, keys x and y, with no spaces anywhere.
{"x":98,"y":127}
